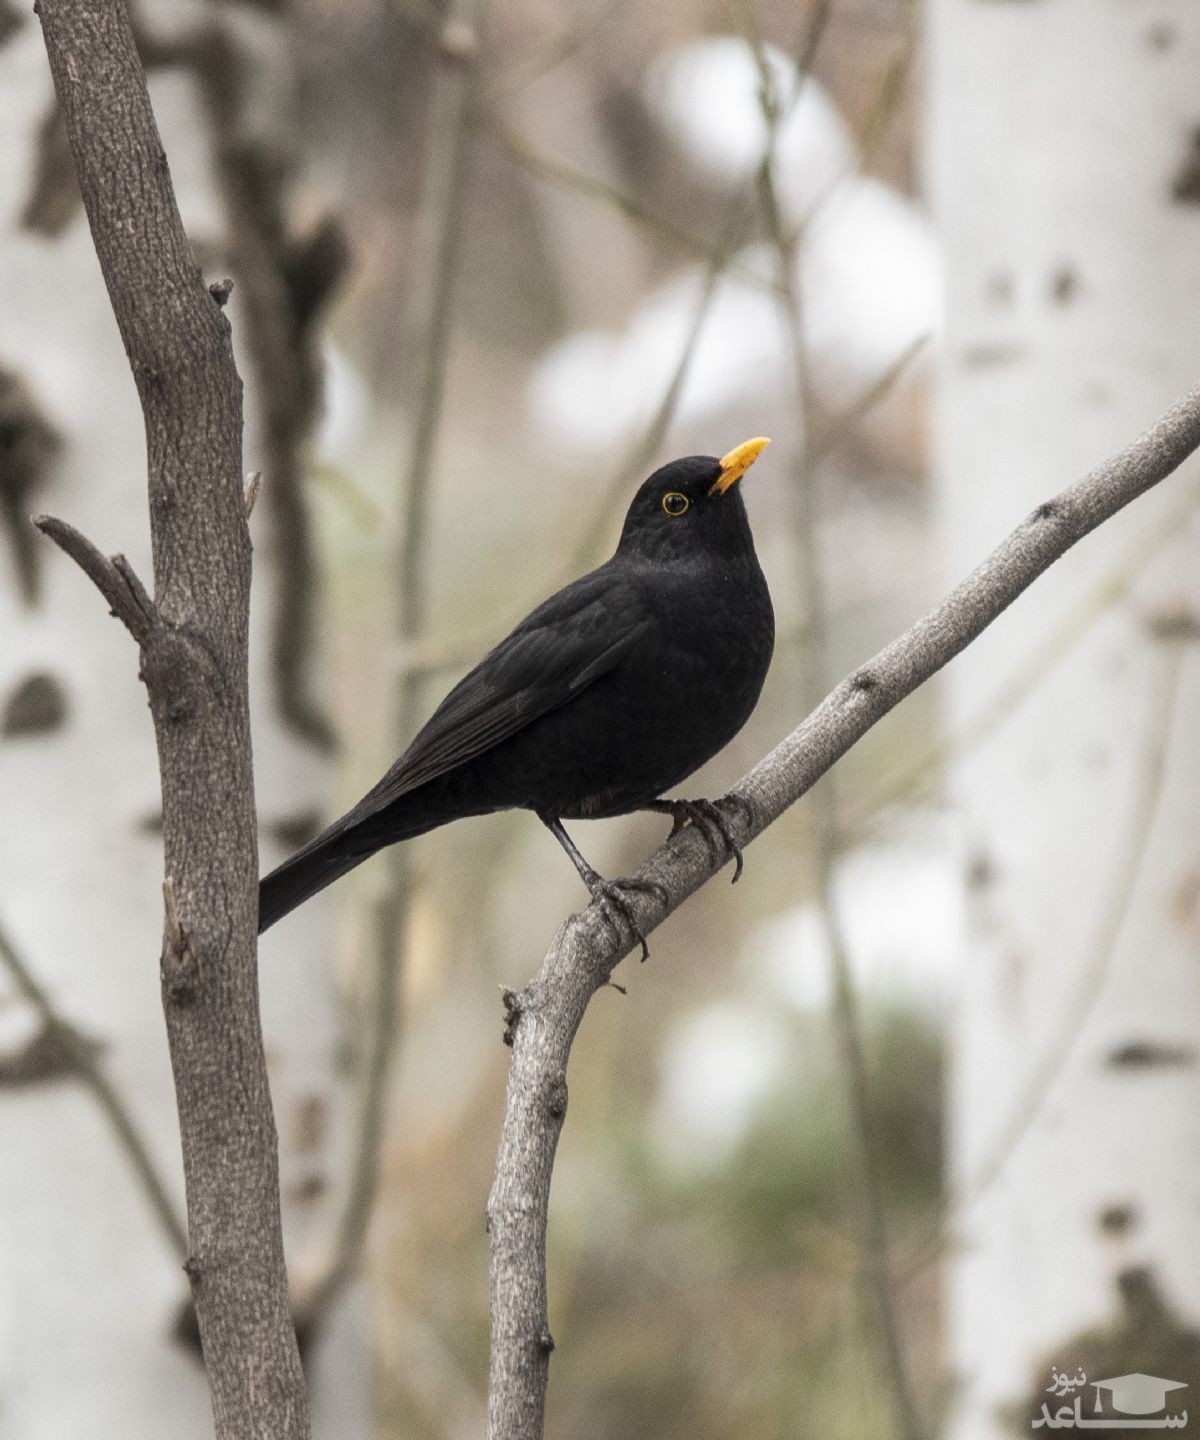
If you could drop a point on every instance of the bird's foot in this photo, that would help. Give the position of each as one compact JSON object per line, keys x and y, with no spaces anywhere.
{"x":614,"y":906}
{"x":608,"y":893}
{"x":708,"y":817}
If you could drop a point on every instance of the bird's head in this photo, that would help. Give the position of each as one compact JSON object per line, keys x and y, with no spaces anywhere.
{"x":692,"y":506}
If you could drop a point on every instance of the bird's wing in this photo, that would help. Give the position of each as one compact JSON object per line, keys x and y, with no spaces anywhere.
{"x":565,"y":645}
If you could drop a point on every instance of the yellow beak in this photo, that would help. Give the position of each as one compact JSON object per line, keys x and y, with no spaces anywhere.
{"x":737,"y":462}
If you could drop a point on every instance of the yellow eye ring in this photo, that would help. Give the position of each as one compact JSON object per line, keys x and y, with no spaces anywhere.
{"x":675,"y":503}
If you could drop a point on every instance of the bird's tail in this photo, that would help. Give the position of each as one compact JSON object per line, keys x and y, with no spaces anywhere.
{"x":299,"y":878}
{"x":345,"y":844}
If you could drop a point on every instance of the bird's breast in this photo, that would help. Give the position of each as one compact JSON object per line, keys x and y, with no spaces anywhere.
{"x":682,"y":694}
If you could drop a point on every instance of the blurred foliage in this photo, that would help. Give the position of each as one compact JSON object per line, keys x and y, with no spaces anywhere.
{"x":796,"y":1164}
{"x":715,"y":1304}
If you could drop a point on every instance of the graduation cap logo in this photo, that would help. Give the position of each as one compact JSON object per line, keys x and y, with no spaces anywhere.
{"x":1137,"y":1394}
{"x":1127,"y":1395}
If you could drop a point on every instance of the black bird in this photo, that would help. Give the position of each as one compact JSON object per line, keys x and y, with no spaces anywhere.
{"x":610,"y":692}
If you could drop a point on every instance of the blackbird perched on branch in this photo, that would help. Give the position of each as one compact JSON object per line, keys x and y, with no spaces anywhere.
{"x":612,"y":691}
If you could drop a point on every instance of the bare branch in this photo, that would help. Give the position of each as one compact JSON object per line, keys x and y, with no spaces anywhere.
{"x":556,"y":172}
{"x":570,"y":39}
{"x":194,"y":643}
{"x":452,"y":143}
{"x":545,"y":1016}
{"x":828,"y":441}
{"x":891,"y":89}
{"x":644,"y":449}
{"x":114,"y":578}
{"x":827,"y":840}
{"x":285,"y":283}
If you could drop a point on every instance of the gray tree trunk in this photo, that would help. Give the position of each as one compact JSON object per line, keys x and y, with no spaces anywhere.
{"x":90,"y":1288}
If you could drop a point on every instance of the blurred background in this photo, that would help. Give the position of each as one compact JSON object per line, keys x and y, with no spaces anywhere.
{"x":911,"y":1116}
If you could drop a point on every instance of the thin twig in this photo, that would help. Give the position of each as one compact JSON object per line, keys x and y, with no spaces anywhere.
{"x":839,"y":430}
{"x":85,"y":1064}
{"x":811,"y":40}
{"x":545,"y":1015}
{"x":880,"y":113}
{"x":826,"y":841}
{"x":285,"y":282}
{"x":890,"y":92}
{"x":555,"y":51}
{"x":720,"y":261}
{"x":450,"y":163}
{"x":586,"y":552}
{"x":113,"y":577}
{"x":665,"y":231}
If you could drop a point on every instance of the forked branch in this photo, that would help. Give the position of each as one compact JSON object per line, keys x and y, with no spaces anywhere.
{"x":113,"y":576}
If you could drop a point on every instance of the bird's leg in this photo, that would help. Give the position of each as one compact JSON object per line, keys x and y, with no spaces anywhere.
{"x":708,"y":817}
{"x":606,"y":893}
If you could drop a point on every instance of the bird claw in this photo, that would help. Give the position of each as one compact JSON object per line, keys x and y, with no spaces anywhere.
{"x":608,"y":895}
{"x":708,"y":817}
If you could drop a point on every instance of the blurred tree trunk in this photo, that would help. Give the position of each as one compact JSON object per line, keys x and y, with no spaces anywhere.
{"x":91,"y":1288}
{"x":1061,"y":139}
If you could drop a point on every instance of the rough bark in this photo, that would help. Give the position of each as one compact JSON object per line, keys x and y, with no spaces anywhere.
{"x":193,"y":642}
{"x":544,"y":1017}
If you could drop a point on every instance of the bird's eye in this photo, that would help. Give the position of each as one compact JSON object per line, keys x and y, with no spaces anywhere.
{"x":675,"y":504}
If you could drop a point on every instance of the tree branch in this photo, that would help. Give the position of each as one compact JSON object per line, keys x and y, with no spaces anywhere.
{"x":112,"y":575}
{"x":286,"y":282}
{"x":544,"y":1017}
{"x":556,"y":172}
{"x":452,"y":137}
{"x":193,"y":639}
{"x":826,"y":838}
